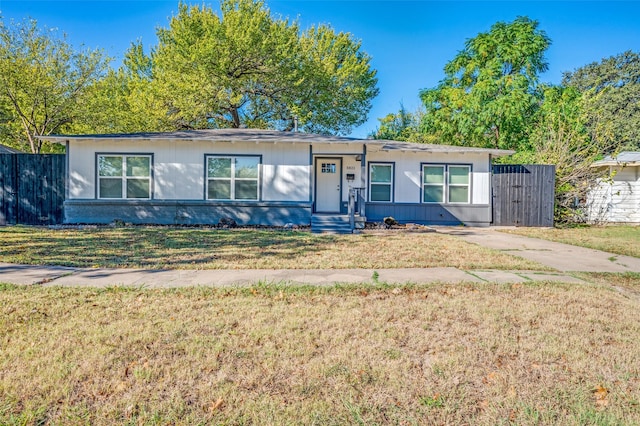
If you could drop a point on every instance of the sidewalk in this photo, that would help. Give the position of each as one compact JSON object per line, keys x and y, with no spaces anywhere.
{"x":78,"y":277}
{"x":563,"y":258}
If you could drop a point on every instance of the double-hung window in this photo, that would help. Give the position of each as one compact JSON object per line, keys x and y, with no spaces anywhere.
{"x":381,"y":182}
{"x":233,"y":178}
{"x":124,"y":176}
{"x":433,"y":183}
{"x":446,"y":183}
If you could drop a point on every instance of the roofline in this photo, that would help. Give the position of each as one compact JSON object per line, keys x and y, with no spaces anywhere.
{"x":4,"y":149}
{"x":614,"y":163}
{"x":260,"y":136}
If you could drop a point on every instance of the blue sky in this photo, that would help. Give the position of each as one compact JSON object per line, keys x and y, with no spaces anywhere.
{"x":409,"y":41}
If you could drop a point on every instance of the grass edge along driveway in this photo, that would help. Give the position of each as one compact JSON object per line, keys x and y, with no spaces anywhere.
{"x":618,"y":239}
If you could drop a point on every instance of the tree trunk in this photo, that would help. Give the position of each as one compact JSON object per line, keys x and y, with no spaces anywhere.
{"x":236,"y":118}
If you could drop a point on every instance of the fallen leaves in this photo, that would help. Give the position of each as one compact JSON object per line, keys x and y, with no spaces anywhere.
{"x":217,"y":405}
{"x":600,"y":395}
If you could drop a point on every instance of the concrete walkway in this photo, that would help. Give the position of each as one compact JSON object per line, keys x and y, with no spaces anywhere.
{"x":561,"y":257}
{"x":85,"y":277}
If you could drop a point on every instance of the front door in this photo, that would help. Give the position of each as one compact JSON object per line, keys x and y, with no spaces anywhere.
{"x":328,"y":185}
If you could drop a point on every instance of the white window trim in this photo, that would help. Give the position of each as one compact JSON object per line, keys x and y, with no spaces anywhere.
{"x":446,"y":184}
{"x":124,"y":176}
{"x":390,"y":184}
{"x":232,"y":179}
{"x":442,"y":185}
{"x":467,"y":185}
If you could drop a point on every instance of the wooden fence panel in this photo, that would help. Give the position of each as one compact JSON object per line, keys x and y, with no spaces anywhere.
{"x":8,"y":189}
{"x":523,"y":195}
{"x":35,"y":185}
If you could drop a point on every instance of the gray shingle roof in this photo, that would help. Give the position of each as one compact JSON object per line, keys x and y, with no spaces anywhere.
{"x":8,"y":150}
{"x":627,"y":158}
{"x":272,"y":136}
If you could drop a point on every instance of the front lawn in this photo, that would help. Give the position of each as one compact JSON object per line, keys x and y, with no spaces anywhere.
{"x":619,"y":239}
{"x":481,"y":354}
{"x":206,"y":248}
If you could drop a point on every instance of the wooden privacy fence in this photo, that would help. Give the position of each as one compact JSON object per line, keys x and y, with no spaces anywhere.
{"x":523,"y":195}
{"x":32,"y":189}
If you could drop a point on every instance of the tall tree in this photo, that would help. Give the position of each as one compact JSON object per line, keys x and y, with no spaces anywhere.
{"x":488,"y":96}
{"x":41,"y":80}
{"x":613,"y":86}
{"x":124,"y":100}
{"x":403,"y":126}
{"x":561,"y":136}
{"x":247,"y":68}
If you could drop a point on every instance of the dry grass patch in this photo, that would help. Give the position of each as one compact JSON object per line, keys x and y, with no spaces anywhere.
{"x":623,"y":240}
{"x":628,"y":283}
{"x":479,"y":354}
{"x":203,"y":248}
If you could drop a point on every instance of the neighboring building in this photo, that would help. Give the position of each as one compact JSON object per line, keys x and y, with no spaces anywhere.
{"x":616,"y":198}
{"x":271,"y":178}
{"x":8,"y":150}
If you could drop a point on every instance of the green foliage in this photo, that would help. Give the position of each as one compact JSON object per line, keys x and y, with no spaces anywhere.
{"x":491,"y":97}
{"x":242,"y":67}
{"x":41,"y":81}
{"x":247,"y":68}
{"x":561,"y":137}
{"x":613,"y":88}
{"x":124,"y":100}
{"x":488,"y":96}
{"x":403,"y":126}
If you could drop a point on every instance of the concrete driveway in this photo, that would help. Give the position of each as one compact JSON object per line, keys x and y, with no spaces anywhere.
{"x":562,"y":257}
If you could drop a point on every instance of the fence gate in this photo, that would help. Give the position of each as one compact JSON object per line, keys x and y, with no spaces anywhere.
{"x":523,"y":195}
{"x":32,"y":189}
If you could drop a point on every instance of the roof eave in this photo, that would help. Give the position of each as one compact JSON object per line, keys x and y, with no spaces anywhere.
{"x":600,"y":164}
{"x":384,"y":145}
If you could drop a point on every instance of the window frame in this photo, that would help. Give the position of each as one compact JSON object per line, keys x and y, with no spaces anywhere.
{"x":467,"y":185}
{"x":443,"y":185}
{"x":446,"y":185}
{"x":123,"y":177}
{"x":232,"y":179}
{"x":391,"y":184}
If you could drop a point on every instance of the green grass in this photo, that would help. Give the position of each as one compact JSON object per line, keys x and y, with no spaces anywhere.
{"x":481,"y":354}
{"x":205,"y":248}
{"x":623,"y":240}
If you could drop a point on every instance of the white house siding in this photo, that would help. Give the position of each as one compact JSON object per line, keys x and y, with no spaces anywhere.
{"x":616,"y":200}
{"x":337,"y":149}
{"x":287,"y":186}
{"x":179,"y":173}
{"x":408,"y":187}
{"x":407,"y":205}
{"x":179,"y":183}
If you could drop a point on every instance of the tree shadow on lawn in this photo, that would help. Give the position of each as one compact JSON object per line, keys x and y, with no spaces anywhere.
{"x":163,"y":248}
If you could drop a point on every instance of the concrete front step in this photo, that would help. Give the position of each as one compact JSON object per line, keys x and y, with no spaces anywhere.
{"x":335,"y":224}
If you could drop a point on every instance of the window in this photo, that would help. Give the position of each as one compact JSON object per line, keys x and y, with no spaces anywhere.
{"x":433,"y":184}
{"x":328,"y":168}
{"x":380,"y":182}
{"x":124,"y":176}
{"x":232,"y":178}
{"x":459,"y":184}
{"x":445,"y":182}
